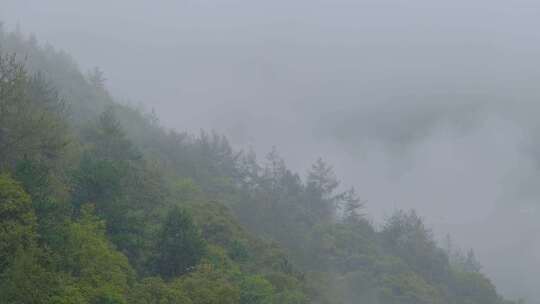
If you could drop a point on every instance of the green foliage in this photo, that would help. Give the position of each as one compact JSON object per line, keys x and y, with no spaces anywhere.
{"x":106,"y":206}
{"x":155,"y":291}
{"x":26,"y":281}
{"x":186,"y":190}
{"x":321,"y":184}
{"x":31,"y":116}
{"x":17,"y":220}
{"x":125,"y":189}
{"x":207,"y":287}
{"x":24,"y":277}
{"x":217,"y":224}
{"x":99,"y":270}
{"x":180,"y":246}
{"x":408,"y":288}
{"x":108,"y":140}
{"x":238,"y":250}
{"x":459,"y":260}
{"x":321,"y":288}
{"x":34,"y":177}
{"x":51,"y":210}
{"x":406,"y":236}
{"x":97,"y":181}
{"x":474,"y":288}
{"x":256,"y":290}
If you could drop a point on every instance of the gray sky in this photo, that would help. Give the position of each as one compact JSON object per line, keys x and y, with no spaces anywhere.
{"x":420,"y":104}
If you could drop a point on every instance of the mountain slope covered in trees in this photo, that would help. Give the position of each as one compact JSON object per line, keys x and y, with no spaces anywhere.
{"x":101,"y":204}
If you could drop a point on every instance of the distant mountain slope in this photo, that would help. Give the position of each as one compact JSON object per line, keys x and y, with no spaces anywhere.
{"x":101,"y":204}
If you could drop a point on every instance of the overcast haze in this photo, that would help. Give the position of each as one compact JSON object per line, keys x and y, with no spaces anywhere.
{"x":419,"y":104}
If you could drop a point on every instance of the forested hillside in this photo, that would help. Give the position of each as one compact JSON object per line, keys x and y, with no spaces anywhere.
{"x":100,"y":204}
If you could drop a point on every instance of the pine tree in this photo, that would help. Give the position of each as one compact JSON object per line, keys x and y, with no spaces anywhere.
{"x":352,"y":205}
{"x":180,"y":245}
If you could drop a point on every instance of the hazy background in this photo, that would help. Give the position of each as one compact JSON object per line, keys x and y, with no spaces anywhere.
{"x":422,"y":104}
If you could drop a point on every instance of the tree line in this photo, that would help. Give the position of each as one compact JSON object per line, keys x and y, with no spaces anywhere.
{"x":101,"y":204}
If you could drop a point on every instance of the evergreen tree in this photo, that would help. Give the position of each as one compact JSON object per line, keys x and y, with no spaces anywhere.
{"x":351,"y":206}
{"x":321,"y":185}
{"x":180,"y":246}
{"x":471,"y":263}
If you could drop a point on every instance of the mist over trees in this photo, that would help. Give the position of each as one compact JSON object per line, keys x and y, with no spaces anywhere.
{"x":99,"y":204}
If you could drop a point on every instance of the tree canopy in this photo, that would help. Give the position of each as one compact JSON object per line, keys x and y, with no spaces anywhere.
{"x":101,"y":204}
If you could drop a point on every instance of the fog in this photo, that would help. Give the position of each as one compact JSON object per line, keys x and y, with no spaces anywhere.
{"x":418,"y":104}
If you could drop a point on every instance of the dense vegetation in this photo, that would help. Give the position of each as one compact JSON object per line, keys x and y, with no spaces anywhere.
{"x":100,"y":204}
